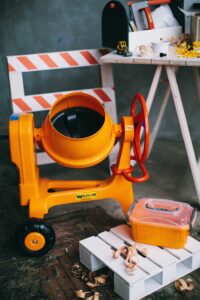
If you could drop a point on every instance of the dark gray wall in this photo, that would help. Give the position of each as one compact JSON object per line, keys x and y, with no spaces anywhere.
{"x":33,"y":26}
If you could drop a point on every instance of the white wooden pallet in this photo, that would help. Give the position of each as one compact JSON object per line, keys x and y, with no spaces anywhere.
{"x":159,"y":268}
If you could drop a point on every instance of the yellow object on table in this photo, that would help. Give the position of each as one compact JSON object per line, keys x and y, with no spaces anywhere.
{"x":185,"y":50}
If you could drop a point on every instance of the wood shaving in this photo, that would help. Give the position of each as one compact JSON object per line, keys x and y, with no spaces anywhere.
{"x":184,"y":285}
{"x":77,"y":270}
{"x":83,"y":295}
{"x":91,"y":276}
{"x":96,"y":296}
{"x":130,"y":255}
{"x":93,"y":282}
{"x":121,"y":250}
{"x":98,"y":280}
{"x":144,"y":252}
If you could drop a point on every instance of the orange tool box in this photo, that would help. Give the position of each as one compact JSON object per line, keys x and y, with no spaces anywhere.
{"x":161,"y":222}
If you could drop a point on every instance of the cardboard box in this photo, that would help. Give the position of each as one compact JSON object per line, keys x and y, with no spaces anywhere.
{"x":145,"y":37}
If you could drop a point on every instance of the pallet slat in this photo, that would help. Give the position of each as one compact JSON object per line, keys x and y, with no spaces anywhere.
{"x":144,"y":263}
{"x":156,"y":254}
{"x":103,"y":252}
{"x":192,"y":245}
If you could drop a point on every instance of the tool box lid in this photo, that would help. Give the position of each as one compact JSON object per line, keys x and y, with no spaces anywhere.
{"x":163,"y":211}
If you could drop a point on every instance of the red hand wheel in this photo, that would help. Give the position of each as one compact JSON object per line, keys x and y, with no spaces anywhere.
{"x":140,"y":121}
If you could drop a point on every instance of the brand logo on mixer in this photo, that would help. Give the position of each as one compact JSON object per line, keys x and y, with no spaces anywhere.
{"x":89,"y":195}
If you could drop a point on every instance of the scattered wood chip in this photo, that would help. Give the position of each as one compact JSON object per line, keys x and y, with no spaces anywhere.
{"x":94,"y":281}
{"x":130,"y":253}
{"x":77,"y":270}
{"x":98,"y":280}
{"x":121,"y":250}
{"x":84,"y":276}
{"x":183,"y":285}
{"x":144,"y":252}
{"x":96,"y":296}
{"x":83,"y":295}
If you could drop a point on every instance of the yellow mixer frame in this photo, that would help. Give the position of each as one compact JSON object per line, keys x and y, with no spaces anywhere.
{"x":36,"y":192}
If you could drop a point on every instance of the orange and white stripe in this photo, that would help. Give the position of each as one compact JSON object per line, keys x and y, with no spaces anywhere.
{"x":45,"y":101}
{"x":55,"y":60}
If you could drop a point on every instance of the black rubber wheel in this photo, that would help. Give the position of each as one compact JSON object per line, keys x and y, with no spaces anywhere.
{"x":36,"y":237}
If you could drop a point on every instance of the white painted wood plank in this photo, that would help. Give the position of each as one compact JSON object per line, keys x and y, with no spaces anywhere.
{"x":176,"y":61}
{"x":89,"y":260}
{"x":106,"y":75}
{"x":16,"y":64}
{"x":145,"y":60}
{"x":16,"y":108}
{"x":150,"y":59}
{"x":104,"y":252}
{"x":192,"y":245}
{"x":108,"y":58}
{"x":151,"y":286}
{"x":129,"y":292}
{"x":111,"y":239}
{"x":159,"y":118}
{"x":179,"y":253}
{"x":144,"y":263}
{"x":153,"y":88}
{"x":193,"y":62}
{"x":160,"y":61}
{"x":113,"y":57}
{"x":159,"y":256}
{"x":16,"y":85}
{"x":196,"y":75}
{"x":184,"y":127}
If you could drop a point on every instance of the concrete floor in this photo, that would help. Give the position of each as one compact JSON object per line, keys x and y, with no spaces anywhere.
{"x":170,"y":177}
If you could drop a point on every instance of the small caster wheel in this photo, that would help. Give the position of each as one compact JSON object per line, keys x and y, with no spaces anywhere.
{"x":36,"y":237}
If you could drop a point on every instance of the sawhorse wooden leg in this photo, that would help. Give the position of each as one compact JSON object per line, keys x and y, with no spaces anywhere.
{"x":197,"y":82}
{"x":184,"y":127}
{"x":161,"y":112}
{"x":153,"y":88}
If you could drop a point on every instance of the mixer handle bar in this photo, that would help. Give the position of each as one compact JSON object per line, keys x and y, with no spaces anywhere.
{"x":141,"y":124}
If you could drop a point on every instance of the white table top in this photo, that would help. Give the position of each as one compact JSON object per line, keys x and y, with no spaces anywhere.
{"x":154,"y":59}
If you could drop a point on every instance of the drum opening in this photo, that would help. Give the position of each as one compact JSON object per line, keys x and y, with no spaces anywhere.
{"x":78,"y":122}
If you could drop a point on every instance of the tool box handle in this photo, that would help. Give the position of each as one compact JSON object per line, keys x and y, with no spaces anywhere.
{"x":160,"y":209}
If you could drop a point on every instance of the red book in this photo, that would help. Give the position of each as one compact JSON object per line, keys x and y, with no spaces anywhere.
{"x":149,"y":17}
{"x":157,"y":2}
